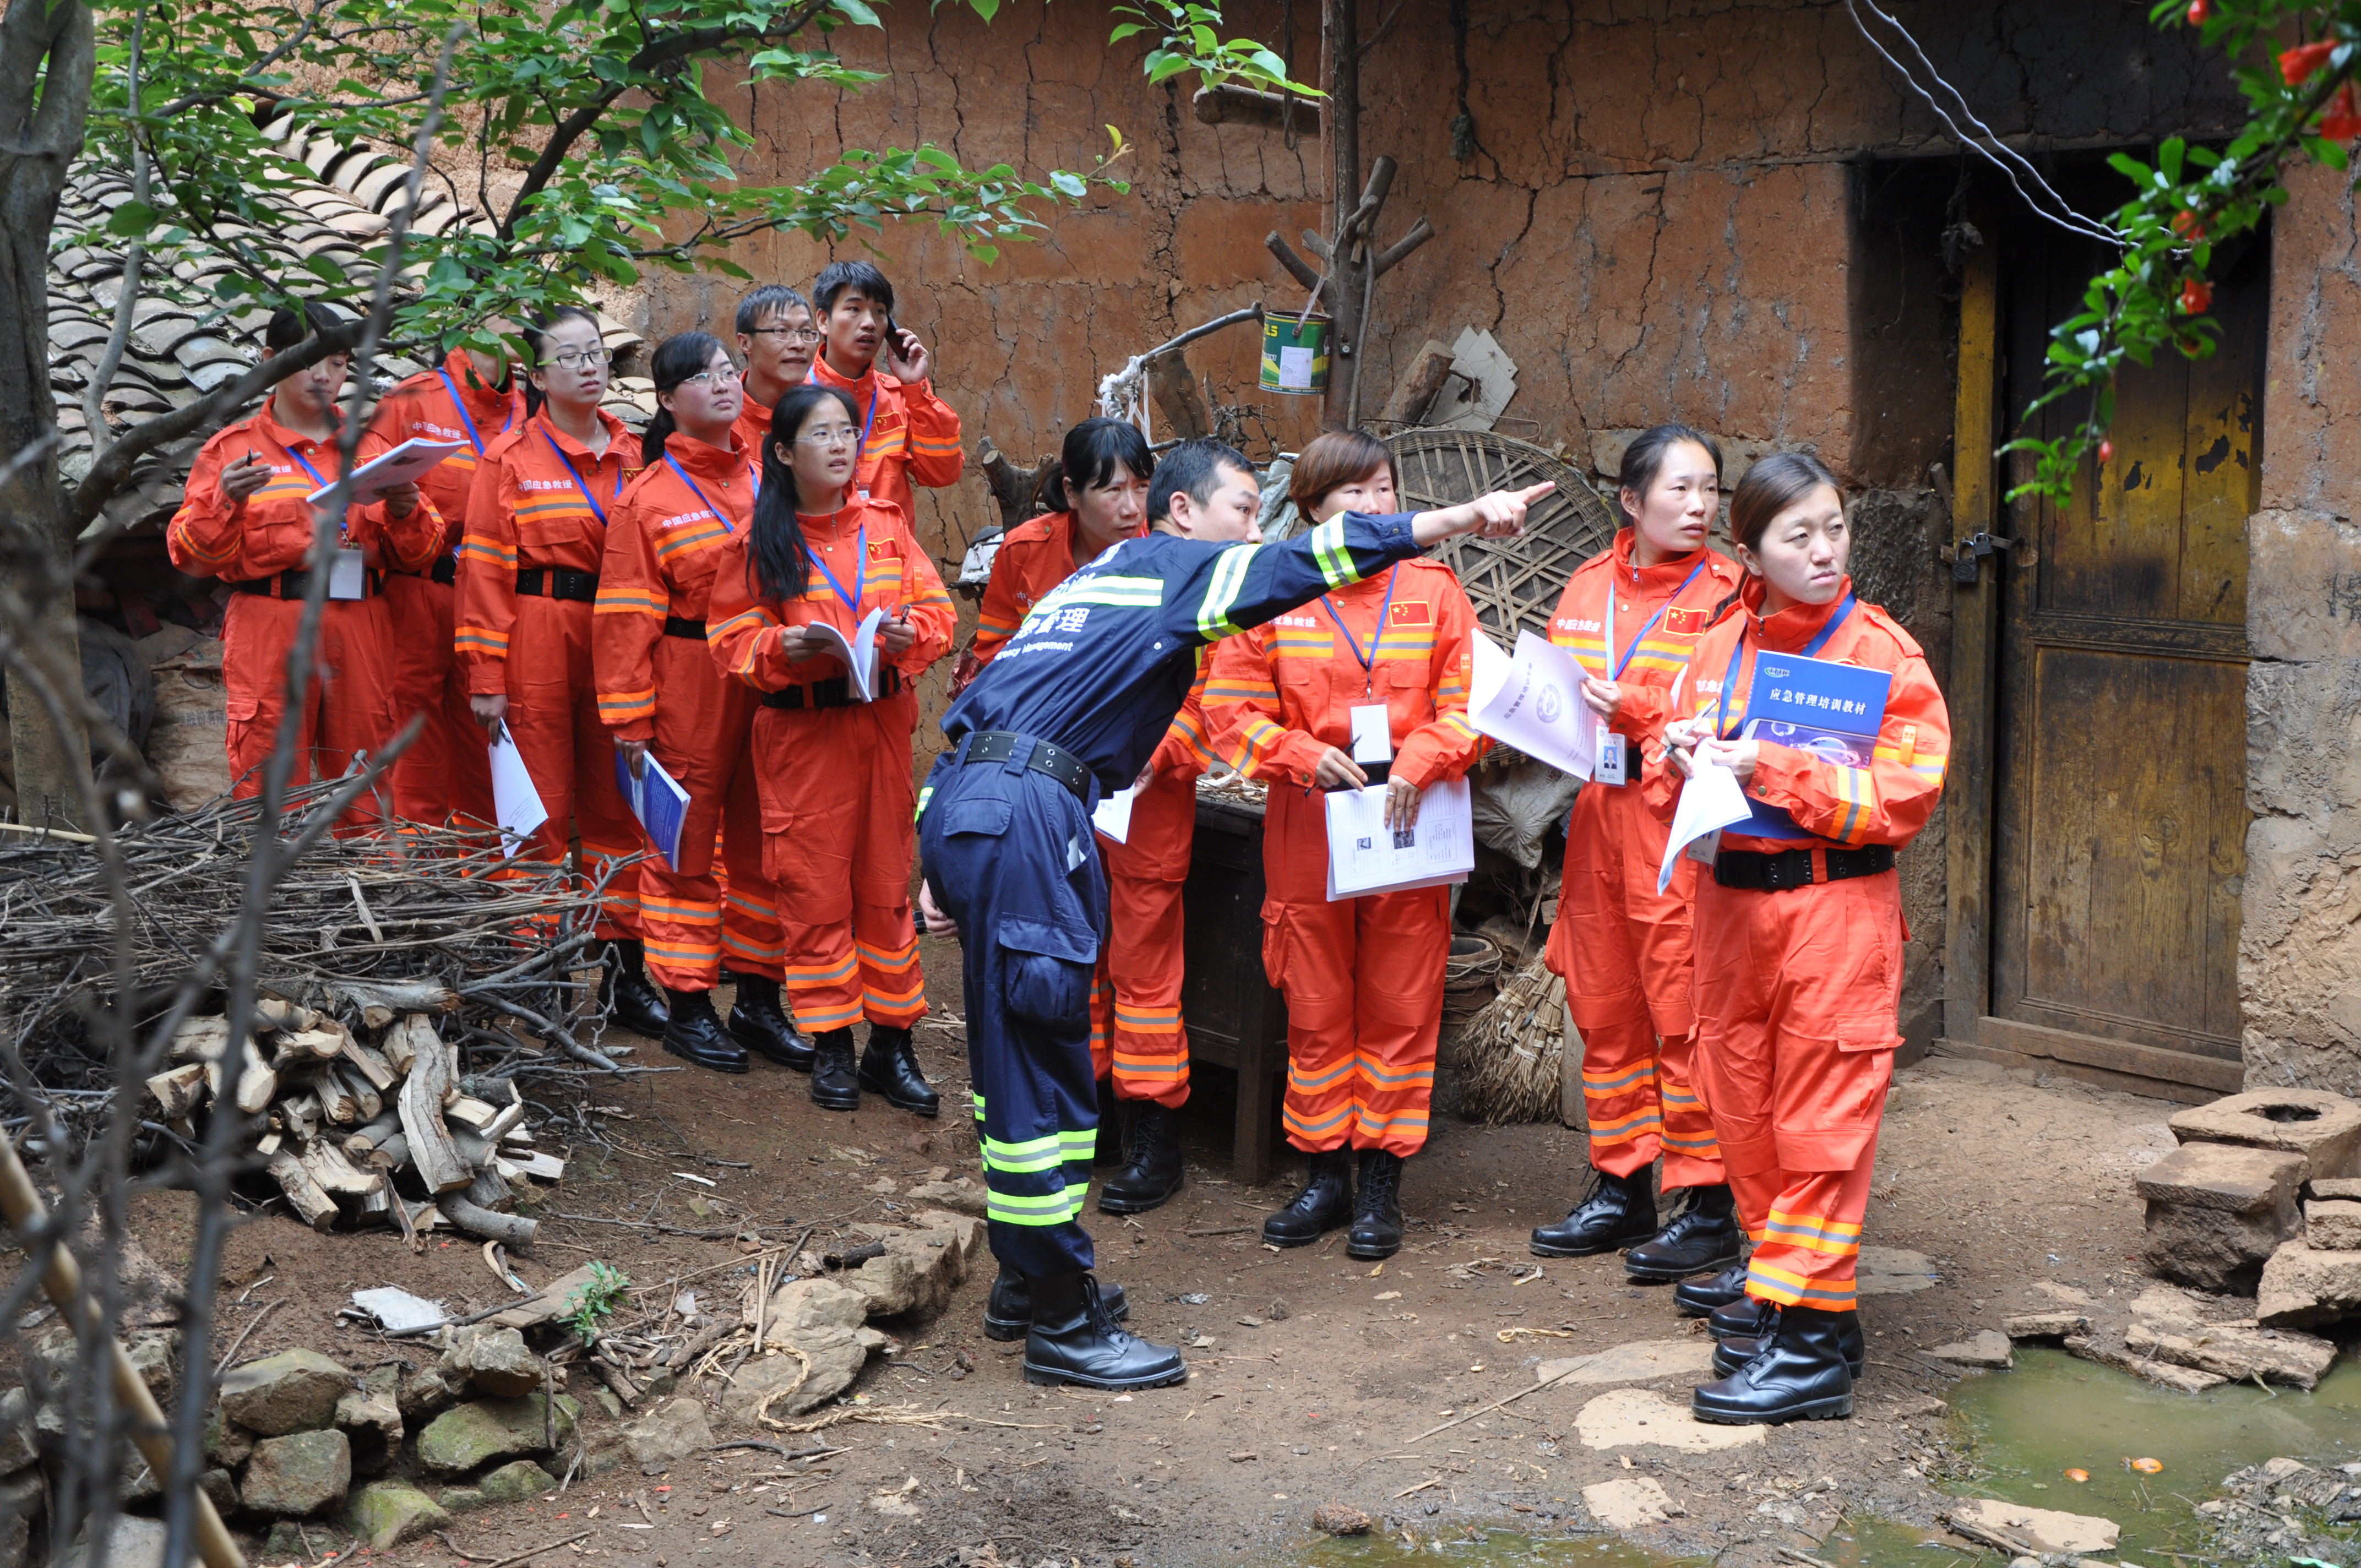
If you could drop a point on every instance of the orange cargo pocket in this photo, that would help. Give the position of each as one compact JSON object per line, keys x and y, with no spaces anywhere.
{"x":1274,"y":944}
{"x":1867,"y":1034}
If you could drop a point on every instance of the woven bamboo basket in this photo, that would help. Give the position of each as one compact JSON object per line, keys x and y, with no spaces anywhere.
{"x":1513,"y":583}
{"x":1471,"y":978}
{"x":1514,"y":1051}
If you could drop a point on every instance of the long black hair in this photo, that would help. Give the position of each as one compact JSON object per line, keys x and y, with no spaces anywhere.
{"x":536,"y":338}
{"x":676,"y":358}
{"x":779,"y":563}
{"x":1092,"y":449}
{"x":1644,"y":459}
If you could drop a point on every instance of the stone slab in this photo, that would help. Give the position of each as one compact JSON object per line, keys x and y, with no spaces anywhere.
{"x":2232,"y":1177}
{"x":1630,"y":1503}
{"x":2302,"y":1286}
{"x":1988,"y":1348}
{"x":1893,"y":1271}
{"x":2333,"y":1224}
{"x":2324,"y":1128}
{"x":1632,"y":1417}
{"x":2048,"y":1529}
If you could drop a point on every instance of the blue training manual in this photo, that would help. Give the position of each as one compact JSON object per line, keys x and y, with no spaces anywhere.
{"x":658,"y":800}
{"x":1829,"y":709}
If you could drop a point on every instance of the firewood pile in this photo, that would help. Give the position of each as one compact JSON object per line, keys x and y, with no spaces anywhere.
{"x":368,"y":1132}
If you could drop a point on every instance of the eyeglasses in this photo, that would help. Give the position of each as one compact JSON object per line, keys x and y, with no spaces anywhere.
{"x":581,"y":358}
{"x":835,"y":435}
{"x":801,"y":334}
{"x":714,"y":377}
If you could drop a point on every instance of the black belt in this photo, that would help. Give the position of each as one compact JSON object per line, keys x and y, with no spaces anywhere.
{"x":1793,"y":868}
{"x":834,"y":691}
{"x":557,"y":583}
{"x":999,"y":745}
{"x":680,"y":626}
{"x":295,"y":584}
{"x":445,"y":570}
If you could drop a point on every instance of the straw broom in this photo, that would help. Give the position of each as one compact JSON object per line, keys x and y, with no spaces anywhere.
{"x":1514,"y":1050}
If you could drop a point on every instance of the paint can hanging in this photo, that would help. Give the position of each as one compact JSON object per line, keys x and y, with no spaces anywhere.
{"x":1295,"y":355}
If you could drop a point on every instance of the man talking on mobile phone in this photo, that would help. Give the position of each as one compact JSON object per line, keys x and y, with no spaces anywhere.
{"x":908,"y":433}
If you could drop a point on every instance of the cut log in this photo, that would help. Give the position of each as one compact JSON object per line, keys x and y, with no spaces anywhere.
{"x":371,"y":1065}
{"x":439,"y":1164}
{"x":423,"y":1215}
{"x":539,"y":1167}
{"x":178,"y":1090}
{"x":312,"y":1203}
{"x":1414,"y":391}
{"x":513,"y":1229}
{"x":336,"y":1174}
{"x":391,"y":1154}
{"x":504,"y":1121}
{"x":385,"y":1124}
{"x":473,"y":1146}
{"x":255,"y":1083}
{"x":271,"y":1013}
{"x":404,"y":1042}
{"x":267,"y":1144}
{"x":518,"y":1137}
{"x":371,"y":1103}
{"x":338,"y":1103}
{"x":473,"y":1112}
{"x":490,"y":1190}
{"x":300,"y":1114}
{"x":199,"y":1039}
{"x":317,"y":1044}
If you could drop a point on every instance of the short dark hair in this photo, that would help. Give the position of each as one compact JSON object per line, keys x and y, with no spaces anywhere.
{"x":1193,"y":469}
{"x":1092,"y":450}
{"x":291,"y":324}
{"x":1769,"y":487}
{"x":765,"y":301}
{"x":1336,"y":458}
{"x":837,"y":276}
{"x":1644,"y":459}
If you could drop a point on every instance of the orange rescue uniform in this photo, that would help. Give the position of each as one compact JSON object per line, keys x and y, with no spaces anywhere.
{"x":258,"y":547}
{"x":657,"y":684}
{"x":528,"y":576}
{"x":908,"y":434}
{"x":445,"y":772}
{"x":1621,"y":946}
{"x":1797,"y":991}
{"x":837,"y":803}
{"x":1363,"y":976}
{"x":1135,"y":1029}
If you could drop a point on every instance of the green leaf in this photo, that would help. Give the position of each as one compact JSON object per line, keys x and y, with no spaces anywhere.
{"x":132,"y":220}
{"x":1069,"y":184}
{"x":858,"y":13}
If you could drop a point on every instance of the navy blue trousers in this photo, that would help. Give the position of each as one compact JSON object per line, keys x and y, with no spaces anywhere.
{"x":1010,"y":855}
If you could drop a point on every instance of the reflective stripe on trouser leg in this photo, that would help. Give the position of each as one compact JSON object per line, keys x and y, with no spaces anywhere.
{"x":1692,"y":1152}
{"x":1299,"y":943}
{"x":1619,"y":1093}
{"x":823,"y":979}
{"x":885,"y":940}
{"x":619,"y":907}
{"x":1150,"y":1047}
{"x":1102,"y":1021}
{"x":680,"y":921}
{"x":751,"y":942}
{"x":1398,"y":1013}
{"x":1812,"y":1242}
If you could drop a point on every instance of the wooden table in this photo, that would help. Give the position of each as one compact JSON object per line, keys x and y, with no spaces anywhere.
{"x":1236,"y":1017}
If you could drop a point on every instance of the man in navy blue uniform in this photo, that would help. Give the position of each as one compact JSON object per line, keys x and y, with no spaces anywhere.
{"x":1069,"y":710}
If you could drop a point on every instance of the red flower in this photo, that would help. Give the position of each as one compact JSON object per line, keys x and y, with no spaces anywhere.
{"x":2198,"y":11}
{"x":2106,"y":452}
{"x":2196,"y":297}
{"x":2301,"y":62}
{"x":2186,"y":225}
{"x":2341,"y":121}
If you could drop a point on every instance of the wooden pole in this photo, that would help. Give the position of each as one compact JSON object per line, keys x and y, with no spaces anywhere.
{"x":62,"y":1280}
{"x":1975,"y":660}
{"x":1341,"y":40}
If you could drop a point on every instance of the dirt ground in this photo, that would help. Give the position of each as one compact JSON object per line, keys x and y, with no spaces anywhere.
{"x":1313,"y":1378}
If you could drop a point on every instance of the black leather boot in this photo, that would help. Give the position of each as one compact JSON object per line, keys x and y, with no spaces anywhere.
{"x":1696,"y":1298}
{"x":1107,"y":1148}
{"x":1621,"y":1211}
{"x":1008,"y":1311}
{"x":1153,"y":1173}
{"x":694,"y":1034}
{"x":834,"y":1084}
{"x":1074,"y":1338}
{"x":1701,"y":1238}
{"x":760,"y":1024}
{"x":889,"y":1067}
{"x":1800,"y":1374}
{"x":1749,"y":1317}
{"x":626,"y":995}
{"x":1731,"y":1353}
{"x":1325,"y":1202}
{"x":1377,"y":1229}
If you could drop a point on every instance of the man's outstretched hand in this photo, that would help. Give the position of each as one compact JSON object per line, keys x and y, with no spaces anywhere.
{"x":1499,"y":514}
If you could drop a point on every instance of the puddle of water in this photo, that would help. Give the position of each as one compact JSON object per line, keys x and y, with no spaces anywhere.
{"x":2055,"y":1412}
{"x":1495,"y":1548}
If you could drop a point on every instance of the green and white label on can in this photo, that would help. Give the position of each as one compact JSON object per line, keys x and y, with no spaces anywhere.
{"x":1295,"y":355}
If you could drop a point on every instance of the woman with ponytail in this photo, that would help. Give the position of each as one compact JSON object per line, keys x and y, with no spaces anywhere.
{"x":1629,"y":617}
{"x":661,"y":695}
{"x":1799,"y":929}
{"x":537,"y":518}
{"x":833,"y":767}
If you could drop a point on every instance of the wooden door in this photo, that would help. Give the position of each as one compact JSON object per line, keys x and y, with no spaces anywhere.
{"x":2119,"y":814}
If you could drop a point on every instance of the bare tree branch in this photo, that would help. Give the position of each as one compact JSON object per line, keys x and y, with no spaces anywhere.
{"x":135,"y":259}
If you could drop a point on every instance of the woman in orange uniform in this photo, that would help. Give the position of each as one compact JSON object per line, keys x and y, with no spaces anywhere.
{"x":1363,"y":976}
{"x":528,"y":577}
{"x":1799,"y":929}
{"x":245,"y":521}
{"x":661,"y":695}
{"x":834,"y":767}
{"x":1137,"y":1043}
{"x":471,"y":397}
{"x":1629,"y":617}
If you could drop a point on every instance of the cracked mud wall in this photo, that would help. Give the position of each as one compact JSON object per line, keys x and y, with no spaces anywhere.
{"x":2299,"y":947}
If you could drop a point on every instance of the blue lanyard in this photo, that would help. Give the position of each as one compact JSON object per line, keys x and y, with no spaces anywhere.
{"x":1369,"y":664}
{"x":459,"y":405}
{"x":1811,"y":649}
{"x":575,"y":474}
{"x":715,"y":510}
{"x":1628,"y":652}
{"x":860,"y":575}
{"x":343,"y":528}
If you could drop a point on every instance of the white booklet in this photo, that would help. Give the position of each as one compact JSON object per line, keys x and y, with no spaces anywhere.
{"x":1366,"y":856}
{"x":858,"y":653}
{"x":413,"y":459}
{"x":1710,"y":801}
{"x":515,"y":801}
{"x":1533,"y":700}
{"x":1112,"y":816}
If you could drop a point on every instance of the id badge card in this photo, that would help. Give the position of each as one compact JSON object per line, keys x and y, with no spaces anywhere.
{"x":1705,"y":846}
{"x":1610,"y":768}
{"x":1372,"y":734}
{"x":348,"y":576}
